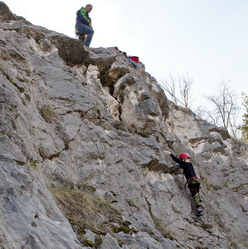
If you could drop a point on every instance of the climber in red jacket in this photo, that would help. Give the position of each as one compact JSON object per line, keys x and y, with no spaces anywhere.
{"x":193,"y":180}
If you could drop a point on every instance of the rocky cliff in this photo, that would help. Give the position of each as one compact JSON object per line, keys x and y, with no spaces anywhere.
{"x":82,"y":161}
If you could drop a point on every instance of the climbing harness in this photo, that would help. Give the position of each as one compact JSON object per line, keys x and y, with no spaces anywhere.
{"x":193,"y":178}
{"x":194,"y":185}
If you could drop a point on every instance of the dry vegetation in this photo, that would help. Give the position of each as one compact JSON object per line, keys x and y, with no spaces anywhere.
{"x":88,"y":212}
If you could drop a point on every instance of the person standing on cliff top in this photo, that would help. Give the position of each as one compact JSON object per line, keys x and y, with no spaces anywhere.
{"x":193,"y":180}
{"x":83,"y":27}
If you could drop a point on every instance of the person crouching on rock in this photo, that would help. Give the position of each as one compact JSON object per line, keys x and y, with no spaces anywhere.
{"x":193,"y":180}
{"x":83,"y":27}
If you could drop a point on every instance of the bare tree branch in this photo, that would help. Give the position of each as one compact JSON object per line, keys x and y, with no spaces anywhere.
{"x":225,"y":110}
{"x":179,"y":89}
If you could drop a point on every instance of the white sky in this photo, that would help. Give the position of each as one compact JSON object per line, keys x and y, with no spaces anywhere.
{"x":206,"y":40}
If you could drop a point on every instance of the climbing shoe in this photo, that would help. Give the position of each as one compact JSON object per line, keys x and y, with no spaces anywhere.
{"x":199,"y":210}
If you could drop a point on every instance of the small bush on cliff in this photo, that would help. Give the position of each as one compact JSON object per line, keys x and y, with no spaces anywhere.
{"x":142,"y":133}
{"x":88,"y":212}
{"x":48,"y":113}
{"x":244,"y":126}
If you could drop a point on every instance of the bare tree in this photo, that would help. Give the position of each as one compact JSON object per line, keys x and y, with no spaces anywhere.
{"x":179,"y":89}
{"x":206,"y":114}
{"x":185,"y":84}
{"x":225,"y":110}
{"x":169,"y":85}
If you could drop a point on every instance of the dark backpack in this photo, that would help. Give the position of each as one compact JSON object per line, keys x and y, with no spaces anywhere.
{"x":79,"y":15}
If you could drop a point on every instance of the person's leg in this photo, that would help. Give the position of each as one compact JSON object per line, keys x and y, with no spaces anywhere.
{"x":194,"y":187}
{"x":197,"y":200}
{"x":89,"y":34}
{"x":81,"y":30}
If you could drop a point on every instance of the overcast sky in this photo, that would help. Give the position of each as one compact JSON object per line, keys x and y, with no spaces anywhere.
{"x":205,"y":40}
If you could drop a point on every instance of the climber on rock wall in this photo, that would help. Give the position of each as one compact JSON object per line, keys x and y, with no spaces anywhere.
{"x":83,"y":27}
{"x":193,"y":180}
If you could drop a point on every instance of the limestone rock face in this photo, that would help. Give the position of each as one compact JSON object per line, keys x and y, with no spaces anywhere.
{"x":88,"y":121}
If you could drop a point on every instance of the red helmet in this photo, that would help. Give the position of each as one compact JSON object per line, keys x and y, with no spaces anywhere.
{"x":184,"y":155}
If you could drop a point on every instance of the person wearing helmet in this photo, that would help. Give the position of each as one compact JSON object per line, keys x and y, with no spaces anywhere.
{"x":193,"y":180}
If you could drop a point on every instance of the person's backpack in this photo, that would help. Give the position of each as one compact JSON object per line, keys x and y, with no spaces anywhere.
{"x":79,"y":15}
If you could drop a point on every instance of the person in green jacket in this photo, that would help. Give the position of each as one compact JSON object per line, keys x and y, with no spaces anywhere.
{"x":83,"y":27}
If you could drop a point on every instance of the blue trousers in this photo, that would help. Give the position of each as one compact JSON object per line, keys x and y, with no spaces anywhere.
{"x":82,"y":29}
